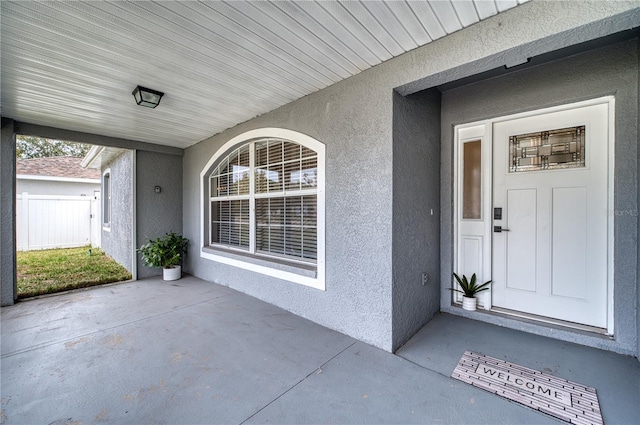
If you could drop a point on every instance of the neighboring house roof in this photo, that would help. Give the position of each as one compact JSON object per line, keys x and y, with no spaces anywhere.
{"x":56,"y":166}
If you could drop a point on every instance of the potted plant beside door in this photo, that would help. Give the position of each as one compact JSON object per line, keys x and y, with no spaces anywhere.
{"x":469,"y":290}
{"x":165,"y":252}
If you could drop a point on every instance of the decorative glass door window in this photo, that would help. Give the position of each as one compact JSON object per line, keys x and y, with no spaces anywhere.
{"x":547,"y":150}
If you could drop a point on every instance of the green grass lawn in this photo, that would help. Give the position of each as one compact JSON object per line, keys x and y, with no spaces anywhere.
{"x":55,"y":270}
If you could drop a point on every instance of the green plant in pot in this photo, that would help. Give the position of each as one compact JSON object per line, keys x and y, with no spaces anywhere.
{"x":469,"y":290}
{"x":165,"y":252}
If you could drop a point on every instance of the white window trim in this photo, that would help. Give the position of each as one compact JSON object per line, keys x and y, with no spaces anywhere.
{"x":106,"y":199}
{"x":318,"y":281}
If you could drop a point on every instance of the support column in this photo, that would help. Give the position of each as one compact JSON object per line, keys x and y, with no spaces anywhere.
{"x":8,"y":267}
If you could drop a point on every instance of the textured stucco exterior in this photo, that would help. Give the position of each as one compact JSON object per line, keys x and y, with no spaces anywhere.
{"x":157,"y":213}
{"x":368,"y":280}
{"x":605,"y":71}
{"x":358,"y":294}
{"x":117,"y":238}
{"x":416,"y":211}
{"x":154,"y":214}
{"x":638,"y":250}
{"x":8,"y":277}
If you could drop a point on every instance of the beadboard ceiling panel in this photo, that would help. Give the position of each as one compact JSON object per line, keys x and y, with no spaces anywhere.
{"x":73,"y":65}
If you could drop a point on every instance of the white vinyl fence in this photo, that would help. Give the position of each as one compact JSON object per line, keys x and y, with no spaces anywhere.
{"x":50,"y":221}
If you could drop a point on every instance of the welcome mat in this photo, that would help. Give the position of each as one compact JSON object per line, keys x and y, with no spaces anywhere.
{"x":562,"y":399}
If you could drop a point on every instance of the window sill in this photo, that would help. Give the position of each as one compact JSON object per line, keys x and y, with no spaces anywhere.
{"x":308,"y":271}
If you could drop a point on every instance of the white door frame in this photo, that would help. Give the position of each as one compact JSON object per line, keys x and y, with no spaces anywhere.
{"x":478,"y":232}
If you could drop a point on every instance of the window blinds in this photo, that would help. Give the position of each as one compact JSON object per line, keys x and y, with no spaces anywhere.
{"x":278,"y":180}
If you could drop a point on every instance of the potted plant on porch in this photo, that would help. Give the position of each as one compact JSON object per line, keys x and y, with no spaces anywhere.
{"x":165,"y":252}
{"x":469,"y":290}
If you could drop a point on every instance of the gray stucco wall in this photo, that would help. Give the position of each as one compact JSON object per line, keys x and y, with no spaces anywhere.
{"x":354,"y":119}
{"x":8,"y":277}
{"x":605,"y":71}
{"x":157,"y":213}
{"x":358,"y":294}
{"x":117,"y":239}
{"x":416,"y":212}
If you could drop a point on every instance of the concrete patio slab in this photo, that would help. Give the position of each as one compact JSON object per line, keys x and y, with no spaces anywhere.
{"x":48,"y":319}
{"x":217,"y":358}
{"x":440,"y":344}
{"x":193,"y":352}
{"x":366,"y":385}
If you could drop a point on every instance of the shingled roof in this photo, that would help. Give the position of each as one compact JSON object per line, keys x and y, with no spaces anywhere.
{"x":56,"y":166}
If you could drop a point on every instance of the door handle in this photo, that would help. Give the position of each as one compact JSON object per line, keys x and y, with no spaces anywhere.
{"x":499,"y":229}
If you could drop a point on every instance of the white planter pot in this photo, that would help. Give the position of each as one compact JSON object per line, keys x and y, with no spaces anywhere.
{"x":172,"y":273}
{"x":469,"y":303}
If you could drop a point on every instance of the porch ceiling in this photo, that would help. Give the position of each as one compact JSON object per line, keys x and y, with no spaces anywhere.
{"x":73,"y":65}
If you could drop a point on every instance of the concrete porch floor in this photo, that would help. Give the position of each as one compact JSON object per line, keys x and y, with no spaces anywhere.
{"x":188,"y":352}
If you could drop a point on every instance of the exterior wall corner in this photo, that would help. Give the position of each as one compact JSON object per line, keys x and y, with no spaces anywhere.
{"x":8,"y":266}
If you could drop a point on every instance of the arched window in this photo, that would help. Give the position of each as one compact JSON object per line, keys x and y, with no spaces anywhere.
{"x":265,"y":200}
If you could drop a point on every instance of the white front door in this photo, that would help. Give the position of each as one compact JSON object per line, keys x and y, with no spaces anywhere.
{"x":542,"y":223}
{"x":550,"y":247}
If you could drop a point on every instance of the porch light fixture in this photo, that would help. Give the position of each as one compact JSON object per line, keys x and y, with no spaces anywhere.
{"x":147,"y":97}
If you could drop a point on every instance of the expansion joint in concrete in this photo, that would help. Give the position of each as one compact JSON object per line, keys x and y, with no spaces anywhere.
{"x":315,"y":371}
{"x":424,"y":367}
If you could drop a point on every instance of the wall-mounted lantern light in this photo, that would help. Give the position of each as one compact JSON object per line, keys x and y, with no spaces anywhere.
{"x":147,"y":97}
